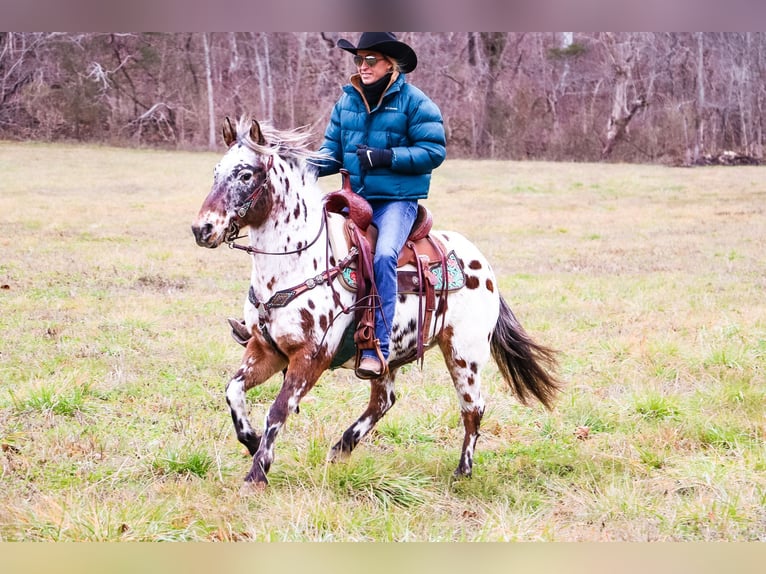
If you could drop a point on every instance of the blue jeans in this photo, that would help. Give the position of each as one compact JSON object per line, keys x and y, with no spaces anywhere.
{"x":394,"y":220}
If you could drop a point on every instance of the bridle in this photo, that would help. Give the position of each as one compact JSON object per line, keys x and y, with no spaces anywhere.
{"x":242,"y":210}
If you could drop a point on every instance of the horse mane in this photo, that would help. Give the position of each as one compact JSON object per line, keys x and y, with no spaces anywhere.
{"x":288,"y":144}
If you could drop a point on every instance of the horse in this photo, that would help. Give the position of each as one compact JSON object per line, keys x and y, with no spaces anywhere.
{"x":296,"y":314}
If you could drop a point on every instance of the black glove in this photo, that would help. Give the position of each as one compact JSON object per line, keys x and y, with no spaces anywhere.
{"x":372,"y":157}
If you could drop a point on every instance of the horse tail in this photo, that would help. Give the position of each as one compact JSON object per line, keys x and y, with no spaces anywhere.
{"x":526,"y":366}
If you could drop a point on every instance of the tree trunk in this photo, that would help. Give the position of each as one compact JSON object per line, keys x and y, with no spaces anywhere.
{"x":210,"y":98}
{"x":265,"y":82}
{"x":269,"y":79}
{"x":619,"y":124}
{"x":486,"y":55}
{"x":699,"y":144}
{"x":622,"y":113}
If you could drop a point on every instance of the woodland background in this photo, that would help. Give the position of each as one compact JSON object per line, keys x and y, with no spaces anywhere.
{"x":648,"y":97}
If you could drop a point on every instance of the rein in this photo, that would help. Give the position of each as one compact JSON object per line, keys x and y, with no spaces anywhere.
{"x":283,"y":297}
{"x":253,"y":250}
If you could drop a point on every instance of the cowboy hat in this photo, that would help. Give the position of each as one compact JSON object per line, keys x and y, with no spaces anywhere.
{"x":385,"y":43}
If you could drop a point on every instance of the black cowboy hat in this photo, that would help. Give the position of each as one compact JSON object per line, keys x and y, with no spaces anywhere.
{"x":385,"y":43}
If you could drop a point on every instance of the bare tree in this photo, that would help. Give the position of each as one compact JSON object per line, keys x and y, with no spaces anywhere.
{"x":699,"y":144}
{"x":22,"y":56}
{"x":265,"y":81}
{"x":583,"y":96}
{"x":210,"y":97}
{"x":621,"y":58}
{"x":485,"y":54}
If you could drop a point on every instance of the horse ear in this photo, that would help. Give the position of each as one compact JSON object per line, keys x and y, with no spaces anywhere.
{"x":256,"y":134}
{"x":229,"y":133}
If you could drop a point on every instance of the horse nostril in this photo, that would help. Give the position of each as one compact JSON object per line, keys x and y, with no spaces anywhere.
{"x":202,"y":232}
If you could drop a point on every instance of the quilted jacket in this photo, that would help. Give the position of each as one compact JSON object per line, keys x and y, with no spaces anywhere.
{"x":405,"y":121}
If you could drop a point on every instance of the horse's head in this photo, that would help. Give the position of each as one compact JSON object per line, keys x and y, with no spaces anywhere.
{"x":242,"y":194}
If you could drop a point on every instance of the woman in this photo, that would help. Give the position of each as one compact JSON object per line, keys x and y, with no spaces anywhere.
{"x":389,"y":136}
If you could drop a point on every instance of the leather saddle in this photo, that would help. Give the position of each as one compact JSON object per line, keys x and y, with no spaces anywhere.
{"x":424,"y":268}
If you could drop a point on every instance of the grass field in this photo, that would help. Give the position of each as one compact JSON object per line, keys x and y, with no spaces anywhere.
{"x":114,"y":353}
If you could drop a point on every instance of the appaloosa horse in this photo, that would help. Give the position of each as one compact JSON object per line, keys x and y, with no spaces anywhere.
{"x":297,"y":314}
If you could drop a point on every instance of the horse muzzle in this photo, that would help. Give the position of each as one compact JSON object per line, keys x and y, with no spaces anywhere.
{"x":206,"y":236}
{"x":211,"y":234}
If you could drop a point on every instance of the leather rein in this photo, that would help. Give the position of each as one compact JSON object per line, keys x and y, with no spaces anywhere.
{"x":230,"y":240}
{"x":285,"y":296}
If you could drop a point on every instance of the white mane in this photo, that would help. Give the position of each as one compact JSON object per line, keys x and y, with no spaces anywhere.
{"x":288,"y":144}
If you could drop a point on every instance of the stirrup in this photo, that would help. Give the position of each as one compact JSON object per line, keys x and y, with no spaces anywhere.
{"x":366,"y":373}
{"x":239,"y":331}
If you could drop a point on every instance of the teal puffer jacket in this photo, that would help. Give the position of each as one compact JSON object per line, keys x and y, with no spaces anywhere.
{"x":405,"y":121}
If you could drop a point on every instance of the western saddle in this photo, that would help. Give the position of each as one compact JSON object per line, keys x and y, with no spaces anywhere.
{"x":349,"y":225}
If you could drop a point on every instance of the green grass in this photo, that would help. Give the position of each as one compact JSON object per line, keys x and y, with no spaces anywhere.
{"x":183,"y":462}
{"x":53,"y":399}
{"x":114,"y":354}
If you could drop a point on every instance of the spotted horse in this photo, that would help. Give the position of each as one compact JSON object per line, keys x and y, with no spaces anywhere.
{"x":297,"y":314}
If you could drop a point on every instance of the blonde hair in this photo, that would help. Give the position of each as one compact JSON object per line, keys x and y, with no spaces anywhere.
{"x":395,"y":65}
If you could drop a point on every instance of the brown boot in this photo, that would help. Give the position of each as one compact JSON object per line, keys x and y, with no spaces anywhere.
{"x":370,"y":368}
{"x":239,"y":331}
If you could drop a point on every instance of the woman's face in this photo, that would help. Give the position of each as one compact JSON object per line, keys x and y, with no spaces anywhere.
{"x":375,"y":72}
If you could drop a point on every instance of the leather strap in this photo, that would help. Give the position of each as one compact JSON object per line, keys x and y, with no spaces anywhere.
{"x":285,"y":296}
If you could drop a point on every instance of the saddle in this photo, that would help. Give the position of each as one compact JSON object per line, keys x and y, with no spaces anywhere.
{"x":423,"y":268}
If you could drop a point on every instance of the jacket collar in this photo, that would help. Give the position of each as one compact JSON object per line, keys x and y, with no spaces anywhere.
{"x":397,"y":79}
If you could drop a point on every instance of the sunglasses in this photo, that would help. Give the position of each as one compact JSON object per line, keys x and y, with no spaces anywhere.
{"x":369,"y":60}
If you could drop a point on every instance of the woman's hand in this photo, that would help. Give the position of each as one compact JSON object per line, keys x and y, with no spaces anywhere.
{"x":373,"y":157}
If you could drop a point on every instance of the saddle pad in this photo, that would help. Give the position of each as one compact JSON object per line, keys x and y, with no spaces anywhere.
{"x":408,"y":276}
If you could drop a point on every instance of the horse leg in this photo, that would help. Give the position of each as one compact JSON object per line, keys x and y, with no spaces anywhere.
{"x":259,"y":363}
{"x":300,"y":378}
{"x":467,"y":381}
{"x":382,"y":398}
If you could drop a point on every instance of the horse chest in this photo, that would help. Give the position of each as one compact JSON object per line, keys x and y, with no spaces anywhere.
{"x":297,"y":306}
{"x":306,"y":323}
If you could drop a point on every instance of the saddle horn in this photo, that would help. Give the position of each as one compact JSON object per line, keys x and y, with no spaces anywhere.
{"x":359,"y":211}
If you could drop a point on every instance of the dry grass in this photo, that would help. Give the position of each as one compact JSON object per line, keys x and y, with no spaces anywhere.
{"x":114,"y":354}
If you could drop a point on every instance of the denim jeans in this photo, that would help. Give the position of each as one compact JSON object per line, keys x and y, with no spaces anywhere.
{"x":394,"y":220}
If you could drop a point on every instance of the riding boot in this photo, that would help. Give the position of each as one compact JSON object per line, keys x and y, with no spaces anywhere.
{"x":372,"y":364}
{"x":239,"y":331}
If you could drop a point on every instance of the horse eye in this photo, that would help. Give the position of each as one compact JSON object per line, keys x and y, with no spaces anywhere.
{"x":246,"y":176}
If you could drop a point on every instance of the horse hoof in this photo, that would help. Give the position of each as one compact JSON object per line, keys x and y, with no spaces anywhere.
{"x":460,"y":474}
{"x":250,"y":488}
{"x":337,"y":455}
